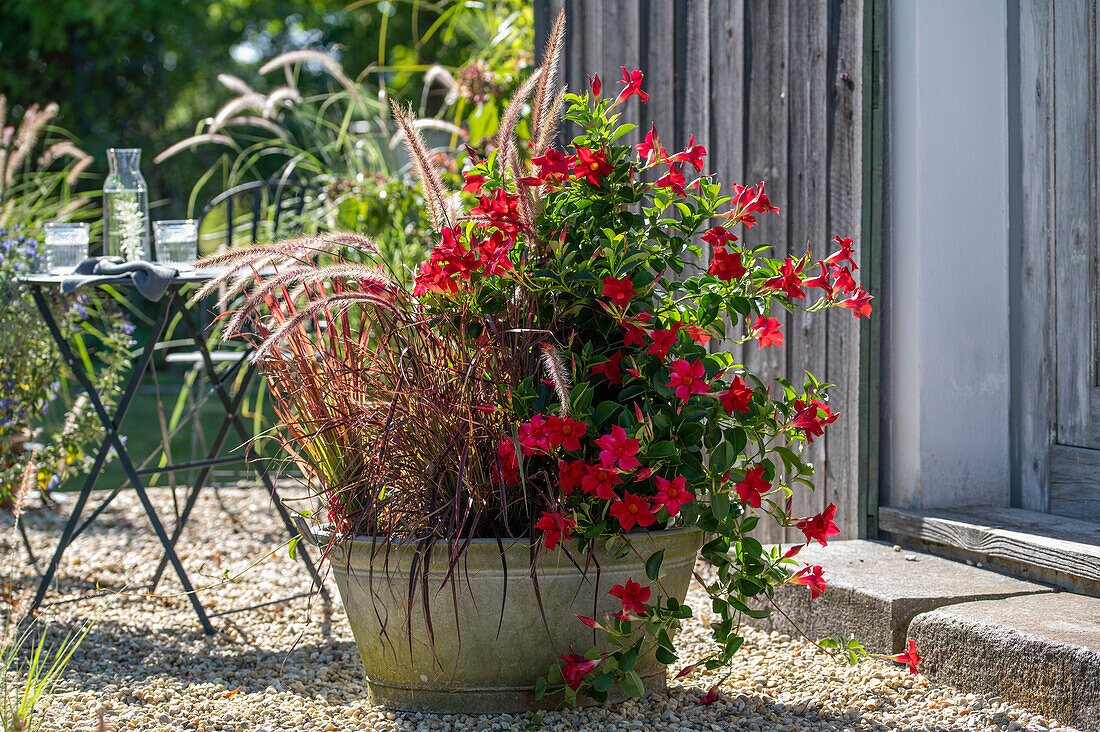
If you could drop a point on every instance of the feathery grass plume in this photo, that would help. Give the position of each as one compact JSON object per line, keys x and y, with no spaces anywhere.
{"x":27,"y":136}
{"x":332,"y":305}
{"x":234,"y":84}
{"x":510,"y":146}
{"x":3,"y":110}
{"x":435,"y":192}
{"x":437,"y":73}
{"x":251,"y":121}
{"x":22,"y":491}
{"x":352,"y":240}
{"x":77,"y":203}
{"x":331,"y":65}
{"x":194,"y":141}
{"x":279,"y":97}
{"x":67,"y":149}
{"x":246,"y":261}
{"x":558,"y":372}
{"x":56,"y":150}
{"x":253,"y":101}
{"x":244,"y":264}
{"x":543,"y":106}
{"x":348,"y":275}
{"x":549,"y":127}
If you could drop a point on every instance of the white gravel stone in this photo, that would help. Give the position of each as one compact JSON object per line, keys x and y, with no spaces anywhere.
{"x":293,"y":665}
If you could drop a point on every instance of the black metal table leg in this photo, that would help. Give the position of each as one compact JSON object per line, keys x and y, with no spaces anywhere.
{"x":111,"y":426}
{"x":97,"y":466}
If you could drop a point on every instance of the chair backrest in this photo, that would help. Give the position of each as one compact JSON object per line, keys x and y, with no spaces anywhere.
{"x":251,"y":206}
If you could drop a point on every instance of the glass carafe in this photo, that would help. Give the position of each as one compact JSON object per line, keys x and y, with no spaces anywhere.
{"x":125,"y":207}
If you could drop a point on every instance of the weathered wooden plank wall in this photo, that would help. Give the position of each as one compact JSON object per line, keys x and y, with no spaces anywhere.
{"x":773,"y":89}
{"x":1056,"y":436}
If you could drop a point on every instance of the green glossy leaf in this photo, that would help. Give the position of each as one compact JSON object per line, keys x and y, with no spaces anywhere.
{"x":691,"y":434}
{"x":540,"y":687}
{"x":632,"y":684}
{"x":720,"y":504}
{"x":661,"y":449}
{"x":653,"y":565}
{"x":603,"y":682}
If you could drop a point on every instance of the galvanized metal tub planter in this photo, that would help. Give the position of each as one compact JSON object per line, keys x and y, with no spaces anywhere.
{"x":491,"y":640}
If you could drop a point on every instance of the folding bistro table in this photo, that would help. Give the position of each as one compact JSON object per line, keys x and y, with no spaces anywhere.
{"x":240,"y":370}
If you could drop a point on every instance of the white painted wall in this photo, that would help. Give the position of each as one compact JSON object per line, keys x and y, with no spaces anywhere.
{"x":946,"y":256}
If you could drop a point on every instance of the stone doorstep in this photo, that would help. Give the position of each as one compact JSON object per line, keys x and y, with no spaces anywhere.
{"x":874,"y":593}
{"x":1040,"y":650}
{"x":975,"y":629}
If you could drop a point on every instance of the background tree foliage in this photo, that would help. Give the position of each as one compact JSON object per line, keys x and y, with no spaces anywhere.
{"x":142,"y":73}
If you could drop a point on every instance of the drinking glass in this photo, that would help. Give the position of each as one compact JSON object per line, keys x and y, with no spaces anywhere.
{"x":177,"y":242}
{"x":66,"y":246}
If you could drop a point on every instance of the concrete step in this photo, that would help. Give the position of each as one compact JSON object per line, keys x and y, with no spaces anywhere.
{"x":874,"y":592}
{"x":1042,"y":650}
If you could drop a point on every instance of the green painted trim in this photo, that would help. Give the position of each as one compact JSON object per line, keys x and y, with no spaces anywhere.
{"x":871,"y":230}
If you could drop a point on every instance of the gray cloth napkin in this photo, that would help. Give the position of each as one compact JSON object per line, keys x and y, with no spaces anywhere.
{"x":150,"y":279}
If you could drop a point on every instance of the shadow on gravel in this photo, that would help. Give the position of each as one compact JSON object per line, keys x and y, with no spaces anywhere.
{"x":115,"y":654}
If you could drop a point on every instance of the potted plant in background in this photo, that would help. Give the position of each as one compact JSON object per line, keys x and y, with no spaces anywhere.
{"x":519,"y":456}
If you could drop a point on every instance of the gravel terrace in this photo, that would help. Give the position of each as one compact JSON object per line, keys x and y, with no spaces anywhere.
{"x":147,"y":665}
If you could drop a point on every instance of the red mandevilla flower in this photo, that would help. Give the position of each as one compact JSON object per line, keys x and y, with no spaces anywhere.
{"x":611,"y":369}
{"x":634,"y":326}
{"x":811,"y":577}
{"x":820,"y":527}
{"x":509,"y":463}
{"x":789,"y":279}
{"x":842,"y":279}
{"x":726,"y":266}
{"x":632,"y":595}
{"x":595,"y":84}
{"x":601,"y":480}
{"x":672,"y":494}
{"x":651,"y":151}
{"x":617,"y":448}
{"x":767,"y":332}
{"x":719,"y":236}
{"x":859,"y":304}
{"x":737,"y":397}
{"x":576,"y":668}
{"x":822,"y":281}
{"x":673,"y":179}
{"x":591,"y":165}
{"x":474,"y":182}
{"x":910,"y":657}
{"x":619,"y":291}
{"x":571,"y":474}
{"x":750,"y":489}
{"x":632,"y":510}
{"x":533,"y":436}
{"x":565,"y":432}
{"x":688,"y":377}
{"x":845,"y":253}
{"x":693,"y":154}
{"x":500,"y":211}
{"x":812,"y":418}
{"x":663,"y":340}
{"x":555,"y":527}
{"x":710,"y":697}
{"x":633,"y":86}
{"x":554,"y":166}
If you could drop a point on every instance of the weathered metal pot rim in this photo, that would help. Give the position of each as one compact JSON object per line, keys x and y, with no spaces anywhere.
{"x":324,"y":536}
